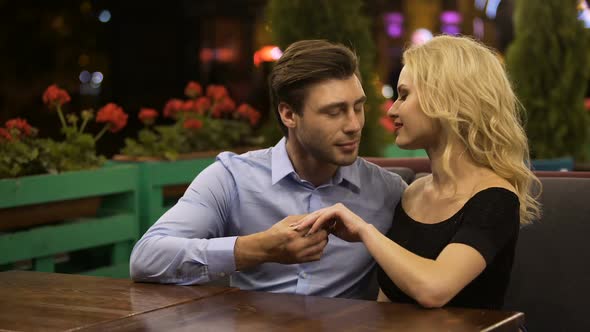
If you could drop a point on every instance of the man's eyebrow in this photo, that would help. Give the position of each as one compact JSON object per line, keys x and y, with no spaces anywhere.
{"x":341,"y":104}
{"x":330,"y":106}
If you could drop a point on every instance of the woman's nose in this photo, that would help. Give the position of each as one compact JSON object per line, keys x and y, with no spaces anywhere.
{"x":392,"y":112}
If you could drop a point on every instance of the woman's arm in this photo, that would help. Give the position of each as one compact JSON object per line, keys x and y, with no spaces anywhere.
{"x":432,"y":283}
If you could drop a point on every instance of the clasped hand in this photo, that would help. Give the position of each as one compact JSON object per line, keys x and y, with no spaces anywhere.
{"x":336,"y":219}
{"x":300,"y":239}
{"x":287,"y":244}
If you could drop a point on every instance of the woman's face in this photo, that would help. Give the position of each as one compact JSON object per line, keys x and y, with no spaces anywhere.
{"x":413,"y":128}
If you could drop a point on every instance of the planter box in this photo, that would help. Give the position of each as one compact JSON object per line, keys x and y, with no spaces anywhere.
{"x":110,"y":222}
{"x":47,"y":213}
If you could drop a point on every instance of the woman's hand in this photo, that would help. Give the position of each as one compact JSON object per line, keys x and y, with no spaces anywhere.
{"x":338,"y":220}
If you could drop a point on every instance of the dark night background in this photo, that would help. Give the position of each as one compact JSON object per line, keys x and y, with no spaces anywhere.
{"x":147,"y":52}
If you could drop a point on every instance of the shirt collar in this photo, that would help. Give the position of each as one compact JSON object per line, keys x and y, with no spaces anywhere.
{"x":281,"y":166}
{"x":349,"y":174}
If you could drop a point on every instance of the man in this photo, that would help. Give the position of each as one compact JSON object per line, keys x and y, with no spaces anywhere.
{"x":236,"y":216}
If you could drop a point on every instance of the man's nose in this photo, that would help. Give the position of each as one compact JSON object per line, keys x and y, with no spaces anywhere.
{"x":353,"y":122}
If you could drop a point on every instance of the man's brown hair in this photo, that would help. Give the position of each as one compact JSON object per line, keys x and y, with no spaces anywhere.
{"x":303,"y":64}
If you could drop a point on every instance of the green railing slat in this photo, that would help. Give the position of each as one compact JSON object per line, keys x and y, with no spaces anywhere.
{"x":154,"y":175}
{"x":44,"y":264}
{"x":174,"y":172}
{"x":48,"y":240}
{"x":68,"y":185}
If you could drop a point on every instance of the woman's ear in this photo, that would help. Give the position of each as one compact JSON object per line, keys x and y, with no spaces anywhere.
{"x":287,"y":115}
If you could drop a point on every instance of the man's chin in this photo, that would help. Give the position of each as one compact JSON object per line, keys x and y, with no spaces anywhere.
{"x":346,"y":160}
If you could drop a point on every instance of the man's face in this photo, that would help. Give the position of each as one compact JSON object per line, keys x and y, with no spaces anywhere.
{"x":330,"y":124}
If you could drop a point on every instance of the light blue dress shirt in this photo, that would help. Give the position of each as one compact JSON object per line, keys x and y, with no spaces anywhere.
{"x":193,"y":242}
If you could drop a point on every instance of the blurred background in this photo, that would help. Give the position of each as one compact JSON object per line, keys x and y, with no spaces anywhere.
{"x":140,"y":54}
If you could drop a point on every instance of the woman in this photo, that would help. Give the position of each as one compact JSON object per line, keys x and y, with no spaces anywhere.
{"x":454,"y":233}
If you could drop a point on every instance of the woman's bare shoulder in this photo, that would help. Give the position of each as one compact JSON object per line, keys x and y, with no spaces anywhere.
{"x":493,"y":180}
{"x":416,"y":187}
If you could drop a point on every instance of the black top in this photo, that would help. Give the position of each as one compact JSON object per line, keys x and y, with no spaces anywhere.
{"x":488,"y":222}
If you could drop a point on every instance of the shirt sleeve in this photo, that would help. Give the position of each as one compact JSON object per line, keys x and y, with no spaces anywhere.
{"x":187,"y":245}
{"x":490,"y":220}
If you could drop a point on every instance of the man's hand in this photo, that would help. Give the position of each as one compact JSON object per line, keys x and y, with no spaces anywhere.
{"x":281,"y":243}
{"x":287,"y":245}
{"x":338,"y":219}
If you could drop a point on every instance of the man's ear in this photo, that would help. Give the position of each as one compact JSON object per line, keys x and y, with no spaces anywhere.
{"x":287,"y":115}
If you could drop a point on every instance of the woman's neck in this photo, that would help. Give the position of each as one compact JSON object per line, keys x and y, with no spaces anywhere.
{"x":465,"y":170}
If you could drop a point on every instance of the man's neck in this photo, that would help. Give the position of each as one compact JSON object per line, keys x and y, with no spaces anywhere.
{"x":307,"y":167}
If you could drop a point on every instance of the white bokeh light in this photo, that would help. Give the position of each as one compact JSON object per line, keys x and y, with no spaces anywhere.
{"x":97,"y":77}
{"x":85,"y":76}
{"x":104,"y":16}
{"x":387,"y":91}
{"x":421,"y":36}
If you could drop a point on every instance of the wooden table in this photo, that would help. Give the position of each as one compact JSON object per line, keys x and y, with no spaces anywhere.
{"x":57,"y":302}
{"x":257,"y":311}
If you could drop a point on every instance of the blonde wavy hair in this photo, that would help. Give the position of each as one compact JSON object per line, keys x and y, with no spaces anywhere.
{"x":463,"y":85}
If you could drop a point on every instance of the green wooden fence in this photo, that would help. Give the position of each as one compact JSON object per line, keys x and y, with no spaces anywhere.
{"x":113,"y":230}
{"x":155,"y":177}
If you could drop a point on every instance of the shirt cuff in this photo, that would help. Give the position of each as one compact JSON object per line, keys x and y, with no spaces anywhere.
{"x":220,"y":257}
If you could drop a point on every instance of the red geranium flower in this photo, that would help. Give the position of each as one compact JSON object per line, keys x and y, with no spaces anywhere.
{"x":387,"y":123}
{"x":112,"y":114}
{"x":21,"y":125}
{"x":172,"y":107}
{"x":54,"y":96}
{"x":193,"y":124}
{"x":386,"y":106}
{"x":197,"y":122}
{"x":244,"y":109}
{"x":226,"y":105}
{"x":188,"y":106}
{"x":254,"y":118}
{"x":147,"y":115}
{"x":202,"y":105}
{"x":5,"y":135}
{"x":193,"y":89}
{"x":250,"y":113}
{"x":217,"y":92}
